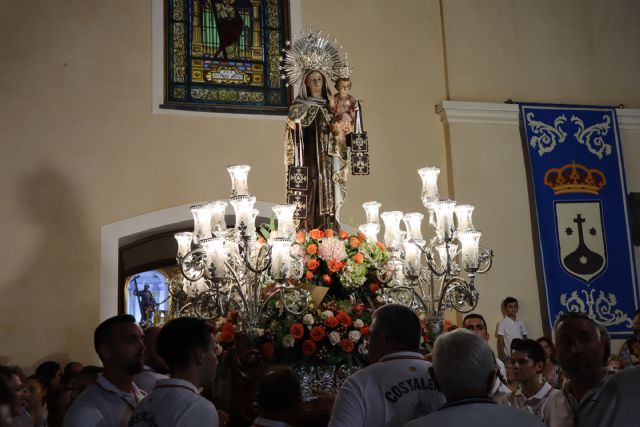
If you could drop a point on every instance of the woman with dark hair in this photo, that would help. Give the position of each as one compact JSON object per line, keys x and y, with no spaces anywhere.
{"x":35,"y":413}
{"x":551,"y":371}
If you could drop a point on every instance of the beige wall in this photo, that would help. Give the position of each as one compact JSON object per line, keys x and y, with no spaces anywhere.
{"x":80,"y":147}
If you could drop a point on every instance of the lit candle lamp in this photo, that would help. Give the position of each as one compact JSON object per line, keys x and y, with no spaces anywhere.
{"x":372,"y":210}
{"x":413,"y":224}
{"x":429,"y":177}
{"x":218,"y":221}
{"x":464,"y":215}
{"x":201,"y":222}
{"x":280,"y":257}
{"x":184,"y":243}
{"x":243,"y":208}
{"x":238,"y":173}
{"x":216,"y":255}
{"x":470,"y":241}
{"x":392,"y":235}
{"x":443,"y":210}
{"x":411,"y":259}
{"x":370,"y":230}
{"x":286,"y":227}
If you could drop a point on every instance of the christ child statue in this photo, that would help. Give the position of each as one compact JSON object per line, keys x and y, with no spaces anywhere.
{"x":345,"y":109}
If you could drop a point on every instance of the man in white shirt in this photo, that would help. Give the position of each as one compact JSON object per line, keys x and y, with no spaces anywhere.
{"x":154,"y":367}
{"x":464,"y":368}
{"x":396,"y":387}
{"x":528,"y":364}
{"x":110,"y":402}
{"x":475,"y":323}
{"x":510,"y":327}
{"x":279,"y":398}
{"x":188,"y":347}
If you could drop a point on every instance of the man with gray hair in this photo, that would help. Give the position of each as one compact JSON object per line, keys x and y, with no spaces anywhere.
{"x":464,"y":368}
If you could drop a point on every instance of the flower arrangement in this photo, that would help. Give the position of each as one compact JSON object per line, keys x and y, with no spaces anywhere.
{"x":345,"y":263}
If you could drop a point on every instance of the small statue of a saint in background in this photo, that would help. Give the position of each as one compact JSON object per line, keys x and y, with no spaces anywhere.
{"x":146,"y":302}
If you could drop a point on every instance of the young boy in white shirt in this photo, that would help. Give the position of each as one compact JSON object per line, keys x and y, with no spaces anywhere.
{"x":510,"y":327}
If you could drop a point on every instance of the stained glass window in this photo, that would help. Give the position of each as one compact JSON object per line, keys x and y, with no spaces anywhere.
{"x":224,"y":55}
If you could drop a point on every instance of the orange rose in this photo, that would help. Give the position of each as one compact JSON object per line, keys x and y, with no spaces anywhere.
{"x":326,"y":279}
{"x":296,"y":330}
{"x":308,"y":275}
{"x":347,"y":345}
{"x":227,"y":327}
{"x":300,"y":237}
{"x":309,"y":348}
{"x":362,"y":237}
{"x":331,"y":321}
{"x":364,"y":330}
{"x":343,"y":234}
{"x":344,"y":318}
{"x":380,"y":245}
{"x":317,"y":333}
{"x":312,"y":249}
{"x":374,"y":287}
{"x":316,"y":234}
{"x":226,"y":337}
{"x":328,"y":233}
{"x":354,"y":242}
{"x":359,"y":258}
{"x":312,"y":264}
{"x":447,"y":325}
{"x":335,"y":266}
{"x":267,"y":350}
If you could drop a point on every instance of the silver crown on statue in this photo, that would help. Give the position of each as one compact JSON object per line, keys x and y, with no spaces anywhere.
{"x":312,"y":52}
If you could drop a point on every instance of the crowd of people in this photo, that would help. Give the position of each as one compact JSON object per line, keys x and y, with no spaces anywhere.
{"x":156,"y":377}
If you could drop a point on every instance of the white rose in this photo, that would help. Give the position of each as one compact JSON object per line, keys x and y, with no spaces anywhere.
{"x":259,"y":332}
{"x":327,"y":313}
{"x":358,"y":323}
{"x":218,"y":349}
{"x":288,"y":341}
{"x":354,"y":336}
{"x":334,"y":337}
{"x":308,"y":319}
{"x":422,"y":317}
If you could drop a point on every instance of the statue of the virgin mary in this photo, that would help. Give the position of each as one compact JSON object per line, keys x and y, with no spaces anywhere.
{"x":310,"y":144}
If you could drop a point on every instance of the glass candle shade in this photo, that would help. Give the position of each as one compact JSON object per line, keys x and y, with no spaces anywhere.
{"x":286,"y":227}
{"x":412,"y":254}
{"x":392,"y":235}
{"x":239,"y":173}
{"x":280,"y":257}
{"x":370,"y":230}
{"x":201,"y":222}
{"x":372,"y":211}
{"x":443,"y":210}
{"x":463,"y":215}
{"x":470,"y":242}
{"x":216,"y":256}
{"x":184,"y":243}
{"x":442,"y":252}
{"x":218,"y":221}
{"x":243,"y":208}
{"x":413,"y":224}
{"x":429,"y":176}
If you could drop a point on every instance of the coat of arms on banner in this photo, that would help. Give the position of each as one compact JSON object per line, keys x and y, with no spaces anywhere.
{"x":581,"y":240}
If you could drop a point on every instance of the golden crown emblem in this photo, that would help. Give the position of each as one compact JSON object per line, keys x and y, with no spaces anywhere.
{"x":575,"y":178}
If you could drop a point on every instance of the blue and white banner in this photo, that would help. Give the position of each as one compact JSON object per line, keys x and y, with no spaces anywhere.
{"x":580,"y":198}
